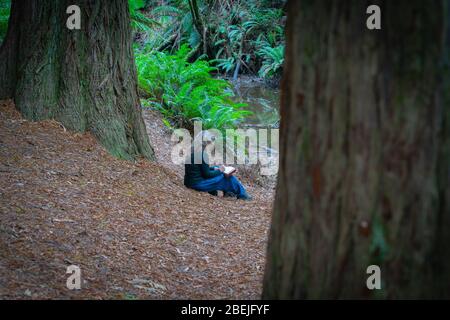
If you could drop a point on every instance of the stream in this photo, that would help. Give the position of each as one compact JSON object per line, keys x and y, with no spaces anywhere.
{"x":261,"y":99}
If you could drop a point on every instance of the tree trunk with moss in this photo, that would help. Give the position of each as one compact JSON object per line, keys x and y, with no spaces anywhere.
{"x":85,"y":79}
{"x":364,"y":154}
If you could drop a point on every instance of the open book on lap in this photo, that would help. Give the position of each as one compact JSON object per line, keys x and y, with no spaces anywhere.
{"x":229,"y":170}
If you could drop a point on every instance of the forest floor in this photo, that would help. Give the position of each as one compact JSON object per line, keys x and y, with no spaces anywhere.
{"x":133,"y":229}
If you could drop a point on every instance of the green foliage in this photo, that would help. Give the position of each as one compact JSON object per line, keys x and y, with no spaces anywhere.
{"x":4,"y":17}
{"x":139,"y":21}
{"x":174,"y":20}
{"x":185,"y":92}
{"x":226,"y":64}
{"x":242,"y":31}
{"x":273,"y":59}
{"x":235,"y":31}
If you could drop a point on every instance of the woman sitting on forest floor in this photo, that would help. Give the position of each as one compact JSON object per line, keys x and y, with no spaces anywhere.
{"x":203,"y":177}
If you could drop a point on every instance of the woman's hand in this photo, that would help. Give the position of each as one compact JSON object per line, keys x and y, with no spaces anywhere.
{"x":221,"y":168}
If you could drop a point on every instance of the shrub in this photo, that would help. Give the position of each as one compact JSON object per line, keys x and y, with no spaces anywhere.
{"x":273,"y":59}
{"x":139,"y":21}
{"x":4,"y":17}
{"x":185,"y":91}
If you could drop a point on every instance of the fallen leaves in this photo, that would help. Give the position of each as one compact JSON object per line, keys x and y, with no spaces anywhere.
{"x":149,"y":286}
{"x":133,"y":228}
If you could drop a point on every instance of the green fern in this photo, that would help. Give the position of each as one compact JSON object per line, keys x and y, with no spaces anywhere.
{"x":226,"y":65}
{"x":140,"y":21}
{"x":185,"y":92}
{"x":273,"y":59}
{"x":4,"y":17}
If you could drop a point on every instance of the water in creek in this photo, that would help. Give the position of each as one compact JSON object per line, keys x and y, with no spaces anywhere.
{"x":261,"y":99}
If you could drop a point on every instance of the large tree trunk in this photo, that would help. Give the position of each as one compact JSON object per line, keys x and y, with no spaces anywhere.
{"x":86,"y":79}
{"x":364,"y":172}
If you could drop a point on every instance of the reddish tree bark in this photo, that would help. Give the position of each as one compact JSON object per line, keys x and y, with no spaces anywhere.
{"x":364,"y":170}
{"x":86,"y":79}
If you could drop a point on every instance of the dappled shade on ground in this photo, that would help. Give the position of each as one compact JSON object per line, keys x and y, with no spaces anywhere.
{"x":133,"y":228}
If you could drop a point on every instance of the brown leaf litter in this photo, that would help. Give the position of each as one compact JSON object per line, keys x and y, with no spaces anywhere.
{"x":134,"y":230}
